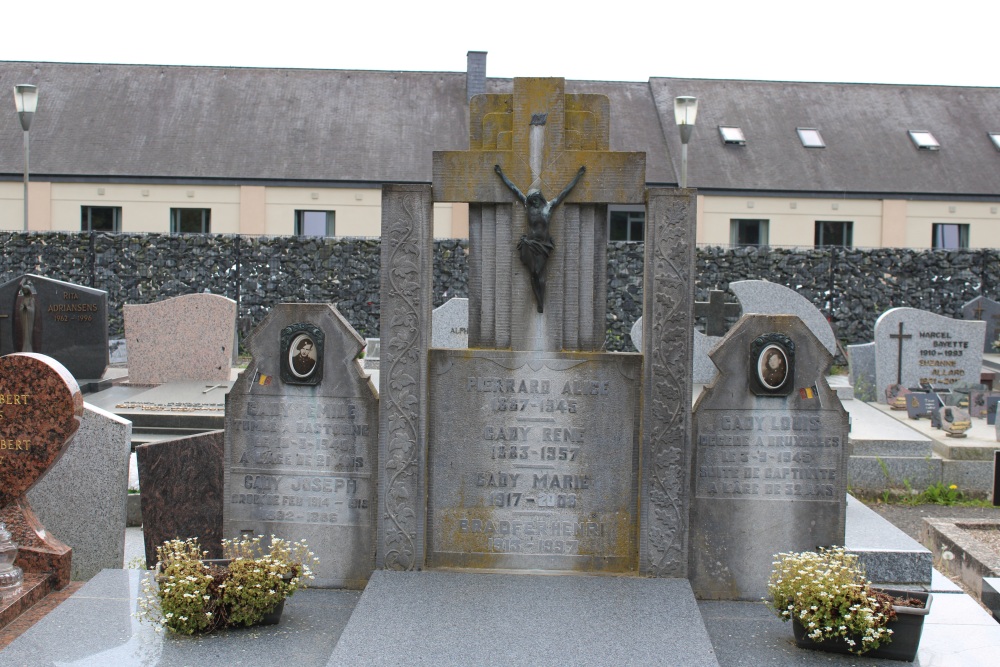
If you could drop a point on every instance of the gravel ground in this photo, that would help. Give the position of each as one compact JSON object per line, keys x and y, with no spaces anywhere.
{"x":910,"y":518}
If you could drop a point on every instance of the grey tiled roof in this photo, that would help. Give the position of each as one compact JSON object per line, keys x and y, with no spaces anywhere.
{"x":247,"y":124}
{"x":864,"y":127}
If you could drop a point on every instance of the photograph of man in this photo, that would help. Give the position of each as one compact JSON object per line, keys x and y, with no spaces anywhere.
{"x":773,"y":367}
{"x":303,"y":355}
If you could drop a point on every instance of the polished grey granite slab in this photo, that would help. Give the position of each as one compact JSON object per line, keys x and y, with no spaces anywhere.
{"x":459,"y":618}
{"x":957,"y":633}
{"x":889,"y":555}
{"x":96,"y":628}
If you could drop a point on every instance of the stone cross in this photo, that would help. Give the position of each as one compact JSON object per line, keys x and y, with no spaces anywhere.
{"x":900,"y":337}
{"x":715,"y":311}
{"x":568,"y":132}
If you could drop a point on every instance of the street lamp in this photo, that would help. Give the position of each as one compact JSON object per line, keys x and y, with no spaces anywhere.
{"x":685,"y":111}
{"x":26,"y":101}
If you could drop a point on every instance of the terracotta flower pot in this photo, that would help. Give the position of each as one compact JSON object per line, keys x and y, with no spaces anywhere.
{"x":906,"y":630}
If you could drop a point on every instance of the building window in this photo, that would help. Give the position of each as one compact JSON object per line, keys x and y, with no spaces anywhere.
{"x":949,"y":235}
{"x":190,"y":220}
{"x":101,"y":218}
{"x":924,"y":140}
{"x":810,"y":137}
{"x":732,"y":135}
{"x":315,"y":223}
{"x":748,"y":232}
{"x":626,"y":225}
{"x":834,"y":232}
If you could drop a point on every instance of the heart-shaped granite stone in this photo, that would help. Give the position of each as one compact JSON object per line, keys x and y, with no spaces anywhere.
{"x":40,"y":410}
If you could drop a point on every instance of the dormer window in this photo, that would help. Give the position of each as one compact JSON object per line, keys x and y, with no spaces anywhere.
{"x":732,"y":135}
{"x":924,"y":140}
{"x":810,"y":137}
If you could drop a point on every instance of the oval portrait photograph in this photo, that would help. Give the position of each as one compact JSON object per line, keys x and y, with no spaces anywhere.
{"x":772,"y":367}
{"x":302,"y":356}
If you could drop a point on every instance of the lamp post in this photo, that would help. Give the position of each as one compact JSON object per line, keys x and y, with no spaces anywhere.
{"x":26,"y":101}
{"x":685,"y":111}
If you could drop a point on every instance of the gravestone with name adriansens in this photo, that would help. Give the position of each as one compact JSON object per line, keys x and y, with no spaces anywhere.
{"x":915,"y":347}
{"x":527,"y":445}
{"x":300,"y":443}
{"x":770,"y":460}
{"x":58,"y":319}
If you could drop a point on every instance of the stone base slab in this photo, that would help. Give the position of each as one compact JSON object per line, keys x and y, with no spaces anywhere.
{"x":462,"y":618}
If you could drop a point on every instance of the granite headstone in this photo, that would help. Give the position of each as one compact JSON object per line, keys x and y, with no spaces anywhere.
{"x":915,"y":347}
{"x":58,"y":319}
{"x":861,"y":369}
{"x":181,"y":482}
{"x":450,"y":324}
{"x":188,"y":337}
{"x":41,"y":411}
{"x":767,"y":298}
{"x":301,"y":442}
{"x":533,"y":460}
{"x":81,"y":499}
{"x":373,"y":353}
{"x":987,"y":310}
{"x":770,"y":461}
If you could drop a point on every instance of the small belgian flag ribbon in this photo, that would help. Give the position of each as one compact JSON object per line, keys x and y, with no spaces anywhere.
{"x":808,"y":392}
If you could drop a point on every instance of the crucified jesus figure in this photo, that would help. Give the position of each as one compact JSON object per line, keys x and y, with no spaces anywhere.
{"x":536,"y":246}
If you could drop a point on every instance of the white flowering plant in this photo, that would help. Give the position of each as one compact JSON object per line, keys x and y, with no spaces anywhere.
{"x":828,"y":594}
{"x":191,"y":595}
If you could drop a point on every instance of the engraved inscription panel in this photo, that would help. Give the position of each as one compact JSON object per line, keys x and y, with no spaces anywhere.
{"x":768,"y":454}
{"x":533,"y":460}
{"x":300,"y":460}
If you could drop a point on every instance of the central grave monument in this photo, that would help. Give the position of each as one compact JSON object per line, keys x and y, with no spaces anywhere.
{"x":528,"y":445}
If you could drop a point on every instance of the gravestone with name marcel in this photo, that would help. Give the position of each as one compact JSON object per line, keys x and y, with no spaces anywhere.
{"x":300,"y":442}
{"x":450,"y":324}
{"x":987,"y":310}
{"x":770,"y":463}
{"x":58,"y":319}
{"x":40,"y":412}
{"x":914,"y":347}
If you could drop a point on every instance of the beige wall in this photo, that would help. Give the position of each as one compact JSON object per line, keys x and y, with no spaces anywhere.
{"x":271,"y":211}
{"x":983,"y":219}
{"x":791,"y":221}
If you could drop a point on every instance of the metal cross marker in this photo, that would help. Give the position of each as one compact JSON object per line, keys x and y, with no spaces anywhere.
{"x":979,"y":310}
{"x":715,"y":311}
{"x":899,"y":362}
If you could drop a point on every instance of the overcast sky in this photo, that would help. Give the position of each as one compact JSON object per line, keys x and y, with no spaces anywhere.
{"x":847,"y":41}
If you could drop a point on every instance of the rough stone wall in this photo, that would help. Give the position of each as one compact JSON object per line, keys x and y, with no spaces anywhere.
{"x":852,"y":286}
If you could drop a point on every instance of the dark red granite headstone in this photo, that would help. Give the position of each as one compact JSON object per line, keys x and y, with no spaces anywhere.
{"x":181,"y":483}
{"x":40,"y":410}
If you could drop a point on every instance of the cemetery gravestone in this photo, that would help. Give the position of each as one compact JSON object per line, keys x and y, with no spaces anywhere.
{"x":770,"y":462}
{"x":300,"y":443}
{"x":986,"y":310}
{"x":532,"y":460}
{"x":450,"y":324}
{"x":89,"y":478}
{"x":187,"y":337}
{"x":861,"y":360}
{"x":914,"y":347}
{"x":41,"y":411}
{"x":182,"y":497}
{"x":58,"y":319}
{"x":373,"y":352}
{"x":767,"y":298}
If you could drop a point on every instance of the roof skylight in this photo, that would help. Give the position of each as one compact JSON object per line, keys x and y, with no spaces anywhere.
{"x":924,"y":140}
{"x":810,"y":137}
{"x":732,"y":135}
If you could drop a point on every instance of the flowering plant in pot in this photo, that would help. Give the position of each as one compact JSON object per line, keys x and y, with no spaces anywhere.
{"x":192,"y":595}
{"x":834,"y":607}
